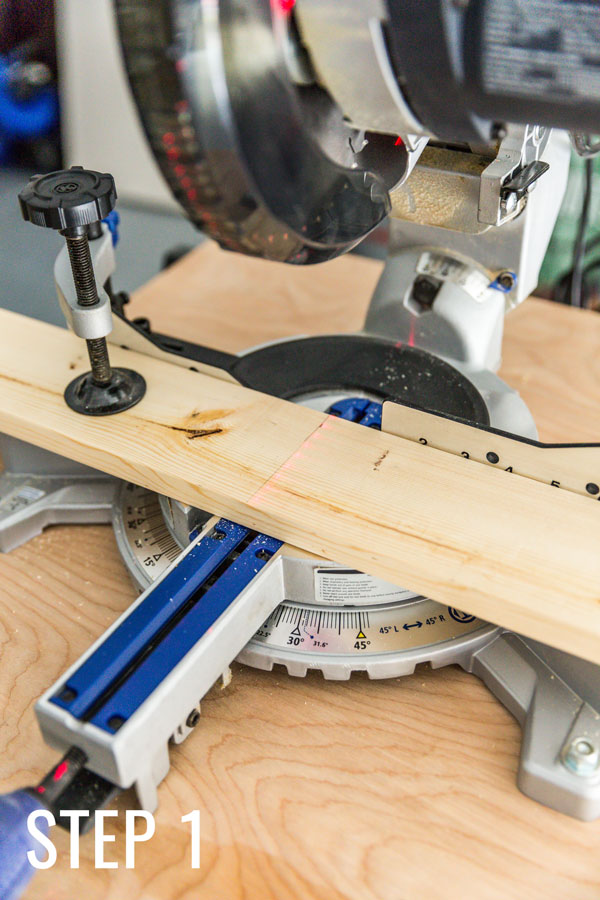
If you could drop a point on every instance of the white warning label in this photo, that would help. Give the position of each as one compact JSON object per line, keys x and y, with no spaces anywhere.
{"x":445,"y":268}
{"x":546,"y":49}
{"x":348,"y":586}
{"x":20,"y":497}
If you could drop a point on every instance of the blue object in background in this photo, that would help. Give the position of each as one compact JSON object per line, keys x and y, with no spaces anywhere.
{"x":24,"y":118}
{"x":112,"y":221}
{"x":15,"y":840}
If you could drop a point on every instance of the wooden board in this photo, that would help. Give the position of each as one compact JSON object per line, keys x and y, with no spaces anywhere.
{"x":308,"y":790}
{"x":507,"y":549}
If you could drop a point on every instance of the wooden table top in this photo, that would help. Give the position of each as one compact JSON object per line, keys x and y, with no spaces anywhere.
{"x":307,"y":789}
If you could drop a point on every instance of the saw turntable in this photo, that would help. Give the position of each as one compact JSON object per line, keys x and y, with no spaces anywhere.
{"x":296,"y":160}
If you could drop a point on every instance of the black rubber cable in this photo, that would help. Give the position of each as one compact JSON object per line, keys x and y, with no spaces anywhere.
{"x":579,"y":249}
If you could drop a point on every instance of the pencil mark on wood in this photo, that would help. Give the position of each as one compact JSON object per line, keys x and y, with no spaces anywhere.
{"x":380,"y":460}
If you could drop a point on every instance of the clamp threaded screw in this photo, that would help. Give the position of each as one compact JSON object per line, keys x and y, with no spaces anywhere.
{"x":87,"y":295}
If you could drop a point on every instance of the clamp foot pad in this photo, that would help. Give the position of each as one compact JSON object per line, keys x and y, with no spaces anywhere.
{"x":124,"y":390}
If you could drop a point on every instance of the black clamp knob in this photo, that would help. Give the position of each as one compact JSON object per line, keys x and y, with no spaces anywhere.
{"x":69,"y":200}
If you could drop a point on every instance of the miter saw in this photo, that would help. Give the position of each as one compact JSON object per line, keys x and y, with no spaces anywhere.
{"x":289,"y":131}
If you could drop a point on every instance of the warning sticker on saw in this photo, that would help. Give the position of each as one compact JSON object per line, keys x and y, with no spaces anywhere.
{"x":20,"y":497}
{"x":348,"y":586}
{"x":446,"y":268}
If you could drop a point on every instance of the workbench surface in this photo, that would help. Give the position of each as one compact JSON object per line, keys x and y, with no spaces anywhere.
{"x":360,"y":790}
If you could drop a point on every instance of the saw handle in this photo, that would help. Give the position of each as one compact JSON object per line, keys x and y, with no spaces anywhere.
{"x":15,"y":840}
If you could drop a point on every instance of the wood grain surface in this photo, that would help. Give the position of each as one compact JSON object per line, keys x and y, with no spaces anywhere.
{"x":467,"y":535}
{"x":309,"y":790}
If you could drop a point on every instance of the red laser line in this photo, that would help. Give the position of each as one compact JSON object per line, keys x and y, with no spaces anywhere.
{"x":326,"y":425}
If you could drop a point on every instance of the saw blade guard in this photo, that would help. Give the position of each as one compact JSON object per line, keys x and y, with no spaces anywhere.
{"x":257,"y":153}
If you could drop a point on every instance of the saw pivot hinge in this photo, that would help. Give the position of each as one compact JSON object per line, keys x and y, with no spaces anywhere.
{"x":75,"y":201}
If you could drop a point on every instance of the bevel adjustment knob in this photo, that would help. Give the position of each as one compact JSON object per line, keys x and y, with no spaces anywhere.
{"x":70,"y":198}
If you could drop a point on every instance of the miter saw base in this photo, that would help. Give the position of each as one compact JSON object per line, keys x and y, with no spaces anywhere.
{"x":340,"y":621}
